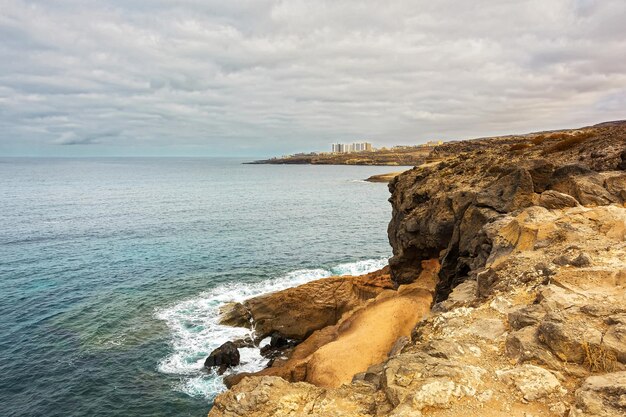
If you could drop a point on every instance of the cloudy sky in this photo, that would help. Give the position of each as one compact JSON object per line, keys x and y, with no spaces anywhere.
{"x":264,"y":77}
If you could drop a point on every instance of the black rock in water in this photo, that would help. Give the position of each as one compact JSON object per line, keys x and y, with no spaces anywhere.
{"x":223,"y":357}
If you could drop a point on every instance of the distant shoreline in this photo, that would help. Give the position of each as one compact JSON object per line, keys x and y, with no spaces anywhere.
{"x":397,"y":156}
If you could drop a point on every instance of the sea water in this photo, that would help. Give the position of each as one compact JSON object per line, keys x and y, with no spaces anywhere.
{"x":112,"y":271}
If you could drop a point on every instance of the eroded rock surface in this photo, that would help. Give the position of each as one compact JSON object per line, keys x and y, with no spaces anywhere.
{"x":297,"y":312}
{"x":530,"y":320}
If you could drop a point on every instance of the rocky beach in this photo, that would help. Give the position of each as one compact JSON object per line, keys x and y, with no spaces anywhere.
{"x":505,"y":295}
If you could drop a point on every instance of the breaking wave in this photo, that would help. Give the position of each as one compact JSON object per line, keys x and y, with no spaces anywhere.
{"x":195,"y":330}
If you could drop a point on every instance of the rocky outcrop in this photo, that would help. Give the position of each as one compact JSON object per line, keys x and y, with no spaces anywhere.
{"x":528,"y":235}
{"x":362,"y":337}
{"x":295,"y":313}
{"x":439,"y":210}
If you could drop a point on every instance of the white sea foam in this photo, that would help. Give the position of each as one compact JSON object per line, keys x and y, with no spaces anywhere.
{"x":195,"y":330}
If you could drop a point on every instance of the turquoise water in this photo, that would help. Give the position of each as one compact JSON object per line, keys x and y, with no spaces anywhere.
{"x":111,"y":271}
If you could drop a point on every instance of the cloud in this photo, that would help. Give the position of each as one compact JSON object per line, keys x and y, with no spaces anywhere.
{"x":270,"y":76}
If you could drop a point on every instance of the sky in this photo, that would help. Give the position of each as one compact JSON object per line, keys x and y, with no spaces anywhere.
{"x":270,"y":77}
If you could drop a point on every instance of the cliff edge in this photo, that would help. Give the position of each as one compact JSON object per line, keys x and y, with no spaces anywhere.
{"x":505,"y":295}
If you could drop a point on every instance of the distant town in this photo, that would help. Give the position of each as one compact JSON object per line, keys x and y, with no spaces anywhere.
{"x":367,"y":146}
{"x":360,"y":153}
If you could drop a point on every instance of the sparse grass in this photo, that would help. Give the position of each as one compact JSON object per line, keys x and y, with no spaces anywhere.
{"x":566,"y":141}
{"x":598,"y":358}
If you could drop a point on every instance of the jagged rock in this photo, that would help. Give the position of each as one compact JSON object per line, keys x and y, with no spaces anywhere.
{"x":582,"y":260}
{"x":398,"y":346}
{"x":541,"y":173}
{"x":528,"y":315}
{"x":532,"y":381}
{"x":568,"y":338}
{"x":430,"y":203}
{"x":463,"y":294}
{"x":601,"y":396}
{"x":614,"y":340}
{"x":508,"y":193}
{"x":616,"y":185}
{"x":223,"y":357}
{"x":622,"y":164}
{"x":585,"y":185}
{"x":372,"y":376}
{"x":524,"y":346}
{"x":555,"y":200}
{"x":278,"y":344}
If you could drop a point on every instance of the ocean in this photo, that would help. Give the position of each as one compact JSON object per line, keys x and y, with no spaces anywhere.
{"x":112,"y":270}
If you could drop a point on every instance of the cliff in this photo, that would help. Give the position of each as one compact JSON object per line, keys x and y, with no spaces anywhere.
{"x":505,"y":295}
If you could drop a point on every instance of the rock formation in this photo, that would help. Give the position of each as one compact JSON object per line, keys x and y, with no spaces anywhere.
{"x":520,"y":244}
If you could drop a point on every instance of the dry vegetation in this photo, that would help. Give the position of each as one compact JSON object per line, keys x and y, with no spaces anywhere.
{"x":555,"y":142}
{"x":598,"y":358}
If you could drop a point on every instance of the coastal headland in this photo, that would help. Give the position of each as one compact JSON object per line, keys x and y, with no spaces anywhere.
{"x":505,"y":295}
{"x":397,"y":156}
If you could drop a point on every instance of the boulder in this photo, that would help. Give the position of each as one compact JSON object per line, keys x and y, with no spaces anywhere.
{"x":533,"y":382}
{"x":223,"y":357}
{"x":601,"y":396}
{"x":552,"y":200}
{"x":524,"y":346}
{"x":585,"y":185}
{"x":569,"y":339}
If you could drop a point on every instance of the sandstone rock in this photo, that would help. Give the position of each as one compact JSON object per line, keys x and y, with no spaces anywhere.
{"x":235,"y":314}
{"x":223,"y":357}
{"x":555,"y":200}
{"x":601,"y":396}
{"x":532,"y":381}
{"x":297,"y":312}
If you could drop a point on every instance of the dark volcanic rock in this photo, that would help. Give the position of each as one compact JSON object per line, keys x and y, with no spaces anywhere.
{"x":441,"y":210}
{"x":622,"y":164}
{"x":223,"y":357}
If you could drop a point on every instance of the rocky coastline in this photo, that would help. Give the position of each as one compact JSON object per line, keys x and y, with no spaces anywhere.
{"x":505,"y":295}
